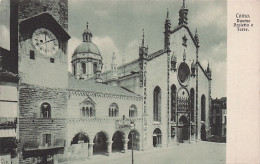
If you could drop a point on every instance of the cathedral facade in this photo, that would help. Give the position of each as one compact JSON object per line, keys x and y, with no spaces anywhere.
{"x":160,"y":99}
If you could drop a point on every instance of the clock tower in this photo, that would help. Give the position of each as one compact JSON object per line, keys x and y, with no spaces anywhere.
{"x":43,"y":70}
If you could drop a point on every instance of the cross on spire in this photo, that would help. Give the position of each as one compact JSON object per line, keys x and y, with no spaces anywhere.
{"x":87,"y":25}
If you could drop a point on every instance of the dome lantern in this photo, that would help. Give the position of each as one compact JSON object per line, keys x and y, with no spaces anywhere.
{"x":87,"y":35}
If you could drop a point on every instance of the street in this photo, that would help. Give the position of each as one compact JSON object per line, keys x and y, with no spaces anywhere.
{"x":194,"y":153}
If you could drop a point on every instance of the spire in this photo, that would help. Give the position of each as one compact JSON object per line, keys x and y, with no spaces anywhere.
{"x":87,"y":34}
{"x":143,"y":50}
{"x":167,"y":20}
{"x":208,"y":70}
{"x":183,"y":14}
{"x":196,"y":37}
{"x":143,"y":39}
{"x":167,"y":31}
{"x":167,"y":14}
{"x":114,"y":70}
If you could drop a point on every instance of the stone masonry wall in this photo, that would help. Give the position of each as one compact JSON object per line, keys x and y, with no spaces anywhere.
{"x":31,"y":97}
{"x":57,"y":8}
{"x":32,"y":126}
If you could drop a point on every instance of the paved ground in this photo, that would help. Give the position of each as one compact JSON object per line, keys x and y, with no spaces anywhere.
{"x":194,"y":153}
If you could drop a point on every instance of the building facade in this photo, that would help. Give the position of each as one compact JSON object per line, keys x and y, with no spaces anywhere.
{"x":164,"y":95}
{"x":219,"y":117}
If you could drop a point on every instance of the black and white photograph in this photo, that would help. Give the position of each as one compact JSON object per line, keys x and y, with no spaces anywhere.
{"x":114,"y":82}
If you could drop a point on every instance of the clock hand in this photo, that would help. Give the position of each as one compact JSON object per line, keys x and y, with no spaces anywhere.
{"x":45,"y":40}
{"x":49,"y":41}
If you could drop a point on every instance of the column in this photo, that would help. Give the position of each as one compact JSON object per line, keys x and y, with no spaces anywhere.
{"x":125,"y":144}
{"x":90,"y":150}
{"x":109,"y":147}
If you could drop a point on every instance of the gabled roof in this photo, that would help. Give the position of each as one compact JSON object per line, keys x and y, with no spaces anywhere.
{"x":44,"y":19}
{"x":209,"y":78}
{"x":88,"y":99}
{"x":91,"y":86}
{"x":187,"y":28}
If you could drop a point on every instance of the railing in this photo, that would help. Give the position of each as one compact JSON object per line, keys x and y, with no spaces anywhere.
{"x":33,"y":145}
{"x":99,"y":119}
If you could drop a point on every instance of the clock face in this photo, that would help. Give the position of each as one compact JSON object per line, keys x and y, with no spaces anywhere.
{"x":183,"y":73}
{"x":45,"y":42}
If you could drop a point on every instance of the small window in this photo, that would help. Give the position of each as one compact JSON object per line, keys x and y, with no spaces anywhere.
{"x":52,"y":60}
{"x":32,"y":55}
{"x":46,"y":140}
{"x":45,"y":110}
{"x":132,"y":111}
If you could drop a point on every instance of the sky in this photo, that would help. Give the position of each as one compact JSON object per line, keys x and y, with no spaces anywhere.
{"x":117,"y":27}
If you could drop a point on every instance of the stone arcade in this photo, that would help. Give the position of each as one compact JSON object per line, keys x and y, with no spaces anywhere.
{"x":64,"y":115}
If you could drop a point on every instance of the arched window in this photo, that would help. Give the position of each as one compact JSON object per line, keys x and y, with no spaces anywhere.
{"x":133,"y":111}
{"x":94,"y":68}
{"x":83,"y":65}
{"x":157,"y":104}
{"x":88,"y":110}
{"x":74,"y":69}
{"x":192,"y":104}
{"x":45,"y":110}
{"x":173,"y":102}
{"x":113,"y":110}
{"x":203,"y":107}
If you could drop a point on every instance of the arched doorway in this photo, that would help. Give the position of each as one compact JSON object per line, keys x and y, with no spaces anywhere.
{"x":80,"y":138}
{"x":117,"y":145}
{"x":134,"y":137}
{"x":100,"y":143}
{"x":183,"y":130}
{"x":203,"y":132}
{"x":157,"y":137}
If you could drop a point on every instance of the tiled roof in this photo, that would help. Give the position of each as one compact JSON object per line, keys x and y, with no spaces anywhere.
{"x":91,"y":86}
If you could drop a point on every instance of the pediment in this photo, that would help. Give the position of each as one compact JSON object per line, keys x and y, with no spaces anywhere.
{"x":44,"y":20}
{"x":87,"y":100}
{"x":189,"y":32}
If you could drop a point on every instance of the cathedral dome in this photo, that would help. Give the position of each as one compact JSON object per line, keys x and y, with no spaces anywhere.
{"x":87,"y":47}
